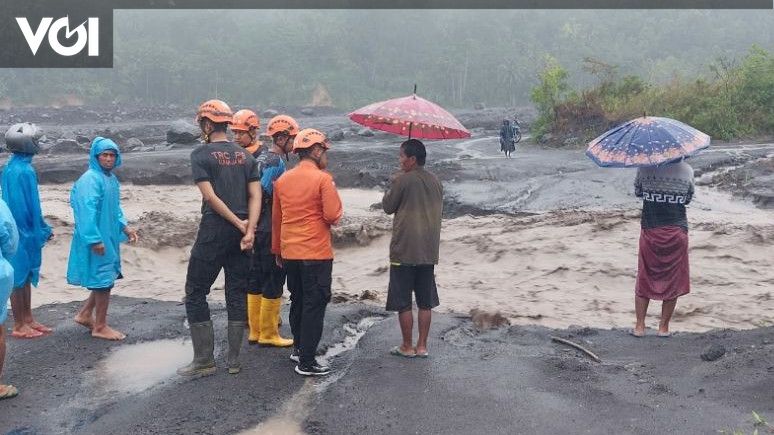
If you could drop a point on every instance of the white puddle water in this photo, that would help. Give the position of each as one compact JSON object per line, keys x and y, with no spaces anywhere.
{"x":354,"y":334}
{"x":137,"y":367}
{"x":294,"y":412}
{"x":290,"y":417}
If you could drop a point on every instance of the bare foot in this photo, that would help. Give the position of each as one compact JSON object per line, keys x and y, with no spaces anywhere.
{"x":8,"y":391}
{"x":107,"y":333}
{"x":88,"y":322}
{"x":405,"y":349}
{"x":40,"y":327}
{"x":25,"y":332}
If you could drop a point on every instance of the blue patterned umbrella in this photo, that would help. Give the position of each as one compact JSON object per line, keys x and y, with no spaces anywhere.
{"x":646,"y":141}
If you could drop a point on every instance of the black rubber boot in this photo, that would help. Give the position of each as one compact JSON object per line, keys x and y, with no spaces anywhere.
{"x":203,"y":339}
{"x":236,"y":333}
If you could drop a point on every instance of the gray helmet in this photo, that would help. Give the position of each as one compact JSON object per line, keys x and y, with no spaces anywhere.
{"x":23,"y":138}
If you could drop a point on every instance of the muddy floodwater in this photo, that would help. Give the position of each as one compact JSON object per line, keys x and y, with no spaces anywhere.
{"x":545,"y":238}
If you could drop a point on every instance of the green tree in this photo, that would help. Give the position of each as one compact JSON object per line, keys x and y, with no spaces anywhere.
{"x":551,"y":89}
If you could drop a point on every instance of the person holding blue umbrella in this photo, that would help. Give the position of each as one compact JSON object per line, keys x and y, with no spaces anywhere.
{"x":658,"y":148}
{"x":663,"y":271}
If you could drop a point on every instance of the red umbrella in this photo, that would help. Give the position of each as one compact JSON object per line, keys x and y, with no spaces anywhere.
{"x":410,"y":116}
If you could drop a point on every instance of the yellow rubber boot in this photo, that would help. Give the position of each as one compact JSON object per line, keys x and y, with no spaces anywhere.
{"x":254,"y":317}
{"x":270,"y":309}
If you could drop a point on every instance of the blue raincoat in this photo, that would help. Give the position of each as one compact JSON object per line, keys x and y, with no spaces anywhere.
{"x":9,"y":239}
{"x":98,"y":219}
{"x":20,"y":192}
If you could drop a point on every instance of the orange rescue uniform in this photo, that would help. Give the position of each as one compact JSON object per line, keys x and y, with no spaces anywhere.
{"x":305,"y":206}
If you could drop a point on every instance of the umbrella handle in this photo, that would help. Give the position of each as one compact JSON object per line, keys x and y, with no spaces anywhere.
{"x":411,"y":124}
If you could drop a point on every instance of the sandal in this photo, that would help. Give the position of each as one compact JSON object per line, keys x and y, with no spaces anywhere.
{"x":33,"y":334}
{"x":422,"y":354}
{"x":664,"y":334}
{"x":633,"y":333}
{"x":9,"y":392}
{"x":396,"y":351}
{"x":41,"y":328}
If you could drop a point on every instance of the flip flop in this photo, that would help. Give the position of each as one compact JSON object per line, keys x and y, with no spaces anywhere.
{"x":34,"y":334}
{"x":634,"y":334}
{"x":397,"y":352}
{"x":664,"y":334}
{"x":422,"y":354}
{"x":10,"y":392}
{"x":42,"y":328}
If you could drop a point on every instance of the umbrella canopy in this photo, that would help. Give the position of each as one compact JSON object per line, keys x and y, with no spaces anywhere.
{"x":646,"y":141}
{"x":410,"y":116}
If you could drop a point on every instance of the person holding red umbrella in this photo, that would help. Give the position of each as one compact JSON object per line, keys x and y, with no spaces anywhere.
{"x":416,"y":198}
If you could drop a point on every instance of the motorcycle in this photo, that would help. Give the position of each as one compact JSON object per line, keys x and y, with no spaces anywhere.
{"x":517,"y":135}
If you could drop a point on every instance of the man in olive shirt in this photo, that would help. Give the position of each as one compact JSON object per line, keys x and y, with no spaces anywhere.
{"x":416,"y":198}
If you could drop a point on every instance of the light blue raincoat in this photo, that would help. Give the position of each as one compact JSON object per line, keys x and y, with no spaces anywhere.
{"x":98,"y":219}
{"x":9,"y":239}
{"x":20,"y":192}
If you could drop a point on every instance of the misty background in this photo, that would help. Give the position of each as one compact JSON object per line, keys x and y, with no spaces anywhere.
{"x":347,"y":58}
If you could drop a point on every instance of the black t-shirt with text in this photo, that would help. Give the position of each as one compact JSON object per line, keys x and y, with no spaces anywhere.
{"x":228,"y":167}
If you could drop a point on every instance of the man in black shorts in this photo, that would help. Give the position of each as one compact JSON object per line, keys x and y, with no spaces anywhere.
{"x":416,"y":198}
{"x":227,"y":177}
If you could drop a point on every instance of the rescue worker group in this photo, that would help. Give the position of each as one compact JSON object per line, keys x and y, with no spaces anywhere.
{"x":262,"y":222}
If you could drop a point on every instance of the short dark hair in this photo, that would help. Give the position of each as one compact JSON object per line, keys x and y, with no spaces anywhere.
{"x":217,"y":127}
{"x":306,"y":152}
{"x":415,"y":148}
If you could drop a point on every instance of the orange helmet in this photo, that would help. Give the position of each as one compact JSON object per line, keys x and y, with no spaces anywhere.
{"x":244,"y":120}
{"x":308,"y":137}
{"x":215,"y":110}
{"x":282,"y":124}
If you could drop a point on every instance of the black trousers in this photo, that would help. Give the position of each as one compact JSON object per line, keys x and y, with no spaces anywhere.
{"x":309,"y":284}
{"x":216,"y":247}
{"x":266,"y":277}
